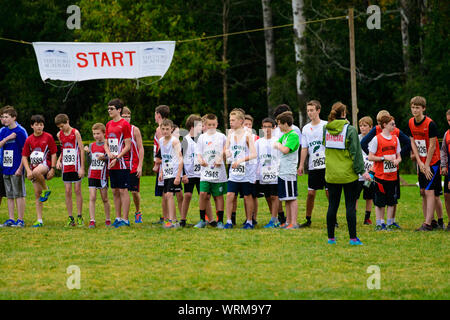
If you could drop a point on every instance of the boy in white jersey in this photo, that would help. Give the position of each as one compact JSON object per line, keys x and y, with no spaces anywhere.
{"x":365,"y":125}
{"x":136,"y":163}
{"x":239,"y":150}
{"x":267,"y":170}
{"x":312,"y":136}
{"x":161,"y":112}
{"x":171,"y":169}
{"x":252,"y":165}
{"x":213,"y":175}
{"x":191,"y":169}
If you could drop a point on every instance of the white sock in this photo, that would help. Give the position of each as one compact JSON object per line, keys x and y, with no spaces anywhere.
{"x":229,"y":221}
{"x":250,"y":222}
{"x":40,"y":221}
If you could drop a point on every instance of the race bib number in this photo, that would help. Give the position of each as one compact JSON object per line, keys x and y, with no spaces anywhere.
{"x":97,"y":164}
{"x":69,"y":157}
{"x":367,"y":164}
{"x":239,"y":170}
{"x":113,"y":144}
{"x":318,"y":160}
{"x":389,"y":167}
{"x":8,"y":157}
{"x":269,"y":174}
{"x":168,"y":171}
{"x":421,"y":147}
{"x":210,"y":174}
{"x":36,"y":158}
{"x":197,"y":166}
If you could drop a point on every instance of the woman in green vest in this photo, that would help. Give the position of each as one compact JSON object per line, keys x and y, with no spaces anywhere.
{"x":344,"y":162}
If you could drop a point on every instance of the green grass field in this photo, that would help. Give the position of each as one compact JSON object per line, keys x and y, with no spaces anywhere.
{"x":148,"y":262}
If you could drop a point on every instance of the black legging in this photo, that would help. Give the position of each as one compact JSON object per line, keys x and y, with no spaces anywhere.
{"x":350,"y":194}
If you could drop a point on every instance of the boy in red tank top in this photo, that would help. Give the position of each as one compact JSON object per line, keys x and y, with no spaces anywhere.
{"x":384,"y":151}
{"x":136,"y":162}
{"x":98,"y":173}
{"x":40,"y":147}
{"x":445,"y":151}
{"x":117,"y":147}
{"x":425,"y":147}
{"x":71,"y":162}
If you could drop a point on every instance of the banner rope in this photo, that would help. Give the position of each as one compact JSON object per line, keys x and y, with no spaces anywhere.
{"x":225,"y":34}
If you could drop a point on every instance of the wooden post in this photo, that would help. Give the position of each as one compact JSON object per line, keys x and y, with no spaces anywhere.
{"x":351,"y":29}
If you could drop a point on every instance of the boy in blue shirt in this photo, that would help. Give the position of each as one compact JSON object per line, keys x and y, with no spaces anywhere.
{"x":12,"y":140}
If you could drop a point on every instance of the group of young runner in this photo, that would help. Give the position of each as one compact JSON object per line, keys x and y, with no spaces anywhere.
{"x":264,"y":165}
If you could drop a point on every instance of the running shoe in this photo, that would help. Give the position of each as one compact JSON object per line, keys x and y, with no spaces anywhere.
{"x":115,"y":223}
{"x":213,"y":224}
{"x":380,"y":227}
{"x":228,"y":226}
{"x":38,"y":224}
{"x":91,"y":224}
{"x":254,"y":222}
{"x":355,"y":242}
{"x":248,"y":226}
{"x":123,"y":223}
{"x":390,"y":227}
{"x":70,"y":222}
{"x":434,"y":224}
{"x":46,"y":195}
{"x":367,"y":221}
{"x":331,"y":241}
{"x":271,"y":224}
{"x":425,"y":227}
{"x":20,"y":223}
{"x":80,"y":221}
{"x":183,"y":223}
{"x":138,"y":217}
{"x":220,"y":225}
{"x":168,"y":225}
{"x":291,"y":227}
{"x":283,"y":226}
{"x":201,"y":224}
{"x":9,"y":223}
{"x":108,"y":223}
{"x":305,"y":224}
{"x":395,"y":226}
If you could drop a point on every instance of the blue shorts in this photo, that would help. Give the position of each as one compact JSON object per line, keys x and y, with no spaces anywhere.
{"x":287,"y":190}
{"x":244,"y":188}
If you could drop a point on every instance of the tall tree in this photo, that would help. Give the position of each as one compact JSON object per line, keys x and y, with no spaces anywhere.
{"x":270,"y":50}
{"x":405,"y":34}
{"x":299,"y":29}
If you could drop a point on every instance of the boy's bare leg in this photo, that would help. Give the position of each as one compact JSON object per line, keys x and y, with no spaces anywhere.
{"x":37,"y":194}
{"x":20,"y":203}
{"x":136,"y":200}
{"x":117,"y":202}
{"x":106,"y":205}
{"x":230,"y":203}
{"x":92,"y":199}
{"x":68,"y":198}
{"x":79,"y":197}
{"x":293,"y":208}
{"x":11,"y":207}
{"x":248,"y":201}
{"x":125,"y":202}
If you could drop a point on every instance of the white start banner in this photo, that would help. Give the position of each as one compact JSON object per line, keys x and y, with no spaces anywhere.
{"x":78,"y":61}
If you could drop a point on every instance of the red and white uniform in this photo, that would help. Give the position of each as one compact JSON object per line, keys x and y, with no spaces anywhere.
{"x":39,"y":149}
{"x":134,"y":152}
{"x":98,"y":168}
{"x":116,"y":133}
{"x":385,"y":170}
{"x":71,"y":153}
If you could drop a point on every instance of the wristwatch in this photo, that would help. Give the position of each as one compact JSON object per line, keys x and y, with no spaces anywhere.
{"x":382,"y":158}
